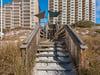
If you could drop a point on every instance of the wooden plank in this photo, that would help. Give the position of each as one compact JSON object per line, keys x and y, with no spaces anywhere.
{"x":52,"y":50}
{"x":51,"y":45}
{"x":54,"y":68}
{"x":52,"y":55}
{"x":53,"y":61}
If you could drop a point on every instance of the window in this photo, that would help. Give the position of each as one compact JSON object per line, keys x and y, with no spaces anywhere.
{"x":32,"y":2}
{"x":64,"y":22}
{"x":32,"y":12}
{"x":64,"y":0}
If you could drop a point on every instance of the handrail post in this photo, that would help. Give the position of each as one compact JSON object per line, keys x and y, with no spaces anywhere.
{"x":24,"y":58}
{"x":38,"y":37}
{"x":83,"y":60}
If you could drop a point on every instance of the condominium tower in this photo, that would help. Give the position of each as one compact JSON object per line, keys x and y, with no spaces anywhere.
{"x":72,"y":11}
{"x":29,"y":9}
{"x":7,"y":16}
{"x":20,"y":13}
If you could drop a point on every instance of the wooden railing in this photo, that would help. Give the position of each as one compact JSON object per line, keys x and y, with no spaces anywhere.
{"x":76,"y":47}
{"x":29,"y":48}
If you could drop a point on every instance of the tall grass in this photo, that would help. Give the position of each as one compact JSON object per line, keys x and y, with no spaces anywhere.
{"x":93,"y":54}
{"x":10,"y":60}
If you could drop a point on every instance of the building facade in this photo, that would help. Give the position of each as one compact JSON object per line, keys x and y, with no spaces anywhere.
{"x":29,"y":9}
{"x":3,"y":18}
{"x":72,"y":11}
{"x":20,"y":13}
{"x":8,"y":15}
{"x":16,"y":14}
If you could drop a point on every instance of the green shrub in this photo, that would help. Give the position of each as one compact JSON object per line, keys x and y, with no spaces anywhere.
{"x":98,"y":31}
{"x":83,"y":24}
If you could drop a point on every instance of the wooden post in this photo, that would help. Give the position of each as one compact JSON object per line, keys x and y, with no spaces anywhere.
{"x":37,"y":38}
{"x":23,"y":54}
{"x":24,"y":58}
{"x":83,"y":59}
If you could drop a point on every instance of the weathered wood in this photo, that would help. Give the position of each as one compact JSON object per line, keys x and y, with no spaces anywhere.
{"x":54,"y":61}
{"x":51,"y":46}
{"x":50,"y":50}
{"x":54,"y":68}
{"x":29,"y":47}
{"x":75,"y":45}
{"x":52,"y":55}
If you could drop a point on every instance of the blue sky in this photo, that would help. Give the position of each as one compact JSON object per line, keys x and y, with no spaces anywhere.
{"x":98,"y":11}
{"x":44,"y":6}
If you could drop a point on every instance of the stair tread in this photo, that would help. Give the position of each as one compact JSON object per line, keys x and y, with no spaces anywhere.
{"x":58,"y":48}
{"x":47,"y":41}
{"x":55,"y":73}
{"x":51,"y":45}
{"x":52,"y":55}
{"x":55,"y":68}
{"x":52,"y":61}
{"x":51,"y":50}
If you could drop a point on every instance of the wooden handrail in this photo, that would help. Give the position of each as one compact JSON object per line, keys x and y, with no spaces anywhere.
{"x":29,"y":39}
{"x":75,"y":37}
{"x":29,"y":48}
{"x":75,"y":45}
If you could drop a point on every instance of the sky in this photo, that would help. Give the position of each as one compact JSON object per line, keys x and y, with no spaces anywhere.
{"x":98,"y":11}
{"x":44,"y":6}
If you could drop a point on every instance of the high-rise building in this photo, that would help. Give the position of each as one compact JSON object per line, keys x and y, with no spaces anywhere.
{"x":16,"y":14}
{"x":20,"y":13}
{"x":3,"y":17}
{"x":29,"y":9}
{"x":8,"y":15}
{"x":72,"y":11}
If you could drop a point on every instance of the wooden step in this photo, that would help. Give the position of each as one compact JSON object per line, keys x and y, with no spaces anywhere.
{"x":51,"y":45}
{"x":48,"y":41}
{"x":55,"y":73}
{"x":57,"y":48}
{"x":57,"y":41}
{"x":52,"y":55}
{"x":51,"y":50}
{"x":53,"y":61}
{"x":54,"y":68}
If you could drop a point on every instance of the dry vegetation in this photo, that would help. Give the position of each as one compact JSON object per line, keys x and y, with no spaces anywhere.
{"x":10,"y":60}
{"x":10,"y":55}
{"x":93,"y":53}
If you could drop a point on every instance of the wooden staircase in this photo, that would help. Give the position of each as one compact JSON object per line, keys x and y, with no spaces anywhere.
{"x":52,"y":58}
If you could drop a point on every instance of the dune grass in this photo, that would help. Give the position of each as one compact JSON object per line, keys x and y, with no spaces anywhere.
{"x":10,"y":60}
{"x":93,"y":54}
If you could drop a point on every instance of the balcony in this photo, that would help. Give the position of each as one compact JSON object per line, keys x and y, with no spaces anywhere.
{"x":25,"y":16}
{"x":16,"y":21}
{"x":25,"y":12}
{"x":26,"y":23}
{"x":24,"y":9}
{"x":25,"y":19}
